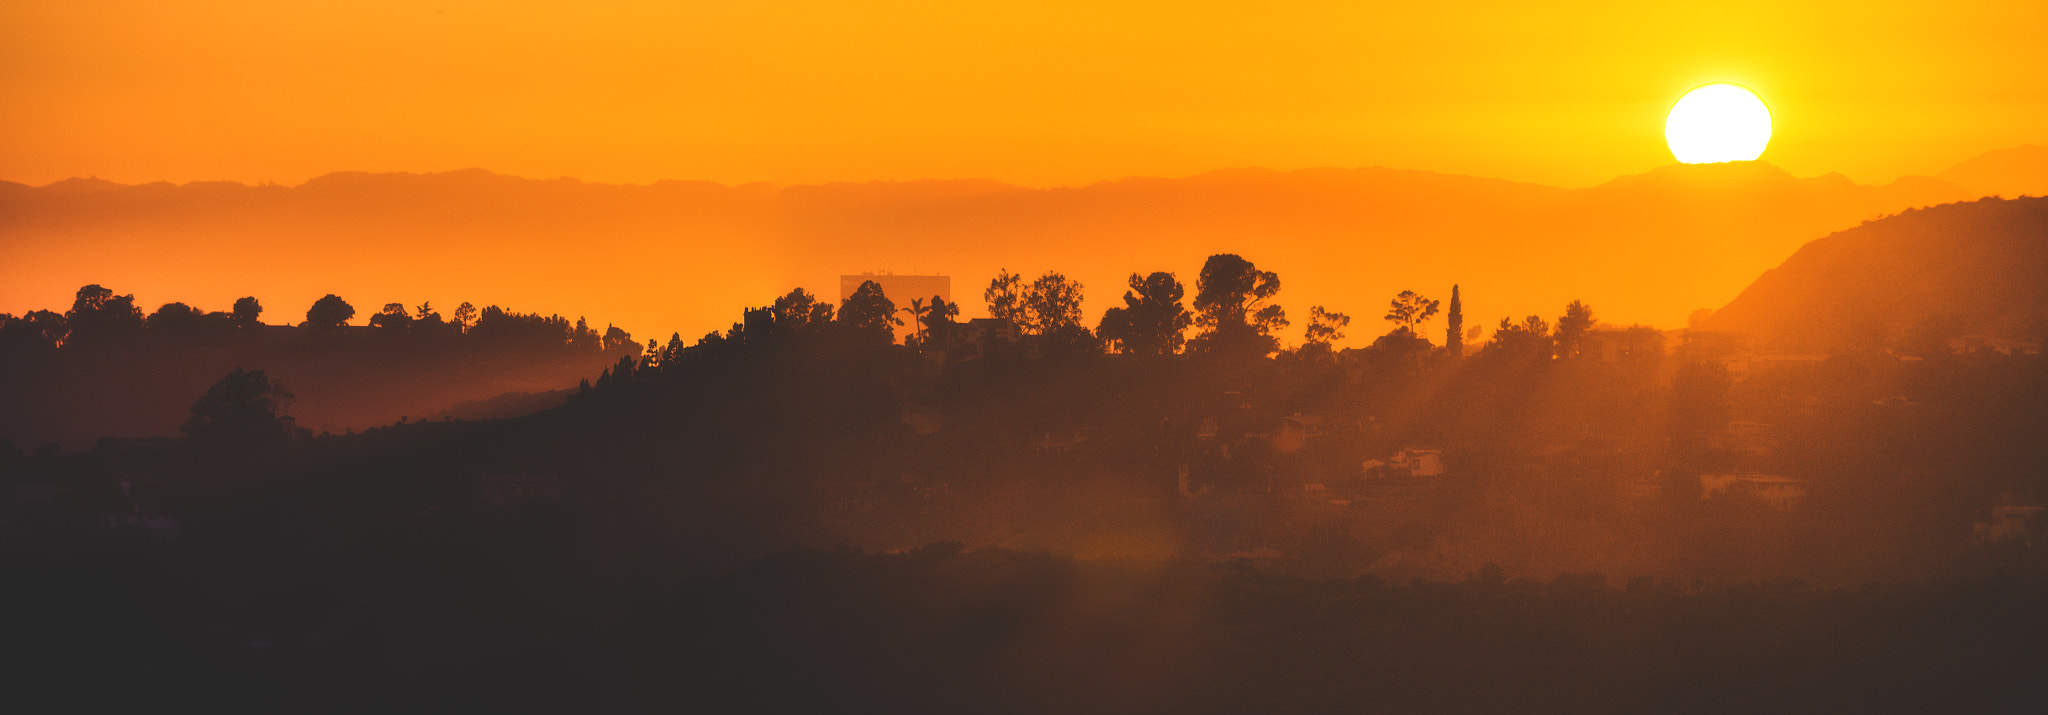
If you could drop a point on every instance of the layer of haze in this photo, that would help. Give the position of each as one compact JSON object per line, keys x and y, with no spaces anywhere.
{"x":686,"y":256}
{"x":1035,"y":94}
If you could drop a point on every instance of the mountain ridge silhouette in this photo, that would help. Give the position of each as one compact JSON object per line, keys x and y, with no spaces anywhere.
{"x":685,"y":255}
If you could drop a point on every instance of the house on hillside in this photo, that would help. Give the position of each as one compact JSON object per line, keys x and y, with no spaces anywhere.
{"x":1778,"y":493}
{"x":1295,"y":430}
{"x":1712,"y":345}
{"x":1622,"y":344}
{"x":1409,"y":462}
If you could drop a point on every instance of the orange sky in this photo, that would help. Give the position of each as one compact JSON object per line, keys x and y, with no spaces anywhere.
{"x":1037,"y":93}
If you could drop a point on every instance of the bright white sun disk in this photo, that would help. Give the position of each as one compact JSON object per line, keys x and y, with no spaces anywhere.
{"x":1718,"y":122}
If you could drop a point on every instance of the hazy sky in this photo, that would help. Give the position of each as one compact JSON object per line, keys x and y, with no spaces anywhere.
{"x":1038,"y":93}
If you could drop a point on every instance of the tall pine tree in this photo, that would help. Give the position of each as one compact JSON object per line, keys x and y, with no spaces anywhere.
{"x":1454,"y":334}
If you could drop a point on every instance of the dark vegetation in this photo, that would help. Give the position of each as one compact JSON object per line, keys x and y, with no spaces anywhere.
{"x":512,"y":618}
{"x":104,"y":368}
{"x":1035,"y":514}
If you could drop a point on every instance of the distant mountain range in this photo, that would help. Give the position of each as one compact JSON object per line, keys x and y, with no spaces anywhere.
{"x":683,"y":256}
{"x":1974,"y":268}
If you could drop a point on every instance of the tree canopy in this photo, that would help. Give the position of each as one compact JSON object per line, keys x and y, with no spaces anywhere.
{"x":1410,"y":310}
{"x":244,"y":409}
{"x":867,"y":312}
{"x":1152,"y":320}
{"x":1232,"y":307}
{"x":329,"y":312}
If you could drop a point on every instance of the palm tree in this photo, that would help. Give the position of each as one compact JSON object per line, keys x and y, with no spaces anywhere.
{"x":917,"y":310}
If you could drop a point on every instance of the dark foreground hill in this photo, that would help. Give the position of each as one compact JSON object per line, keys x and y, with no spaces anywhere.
{"x":453,"y":629}
{"x":1907,"y":281}
{"x":685,"y":536}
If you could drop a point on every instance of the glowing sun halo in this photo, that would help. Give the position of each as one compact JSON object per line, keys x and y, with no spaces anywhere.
{"x":1718,"y":122}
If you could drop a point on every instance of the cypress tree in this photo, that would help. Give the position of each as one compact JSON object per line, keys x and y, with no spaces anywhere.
{"x":1454,"y":333}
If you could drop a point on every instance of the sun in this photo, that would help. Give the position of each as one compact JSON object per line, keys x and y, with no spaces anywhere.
{"x":1718,"y":122}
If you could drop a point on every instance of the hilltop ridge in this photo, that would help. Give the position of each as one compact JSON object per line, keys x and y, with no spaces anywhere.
{"x":678,"y":256}
{"x":1967,"y":268}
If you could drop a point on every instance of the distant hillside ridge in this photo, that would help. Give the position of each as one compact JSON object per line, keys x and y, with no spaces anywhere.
{"x":1971,"y":268}
{"x":2019,"y":171}
{"x":681,"y":256}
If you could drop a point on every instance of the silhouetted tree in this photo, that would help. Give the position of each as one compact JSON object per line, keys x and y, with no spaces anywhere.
{"x":507,"y":329}
{"x":868,"y":313}
{"x":465,"y":316}
{"x":246,"y":311}
{"x":329,"y":312}
{"x":1529,"y":338}
{"x":1572,"y":327}
{"x":393,"y":318}
{"x":100,"y":319}
{"x":34,"y":332}
{"x":671,"y":354}
{"x":1005,"y":296}
{"x":1324,"y":328}
{"x":1231,"y":306}
{"x":1410,"y":310}
{"x":917,"y":310}
{"x":1152,"y":320}
{"x":617,"y":339}
{"x":799,"y":312}
{"x":1052,"y":305}
{"x":585,"y":338}
{"x":1454,"y":328}
{"x":172,"y":319}
{"x":428,"y":321}
{"x":244,"y":410}
{"x":938,"y":320}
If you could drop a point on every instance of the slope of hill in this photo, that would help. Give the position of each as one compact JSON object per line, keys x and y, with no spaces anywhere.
{"x":350,"y":380}
{"x":1956,"y":269}
{"x":2019,"y":171}
{"x":685,"y":256}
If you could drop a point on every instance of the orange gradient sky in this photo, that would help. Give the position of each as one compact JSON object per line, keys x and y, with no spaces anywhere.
{"x":1035,"y":93}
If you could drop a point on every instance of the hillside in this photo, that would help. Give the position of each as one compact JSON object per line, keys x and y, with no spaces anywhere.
{"x":1972,"y":268}
{"x":143,"y":383}
{"x":681,"y":256}
{"x":2019,"y":171}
